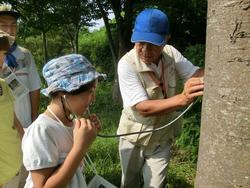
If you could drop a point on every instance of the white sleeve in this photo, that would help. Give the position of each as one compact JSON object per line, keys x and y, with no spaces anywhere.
{"x":34,"y":79}
{"x":185,"y":69}
{"x":39,"y":149}
{"x":130,"y":85}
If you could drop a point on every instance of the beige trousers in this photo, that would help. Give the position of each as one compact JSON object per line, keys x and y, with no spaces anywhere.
{"x":152,"y":162}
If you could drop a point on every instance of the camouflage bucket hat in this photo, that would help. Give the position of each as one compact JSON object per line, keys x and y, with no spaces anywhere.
{"x":68,"y":73}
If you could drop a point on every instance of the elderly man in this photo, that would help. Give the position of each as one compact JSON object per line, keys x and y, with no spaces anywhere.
{"x":147,"y":78}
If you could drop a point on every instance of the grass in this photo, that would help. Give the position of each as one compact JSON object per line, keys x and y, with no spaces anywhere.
{"x":104,"y":153}
{"x":181,"y":172}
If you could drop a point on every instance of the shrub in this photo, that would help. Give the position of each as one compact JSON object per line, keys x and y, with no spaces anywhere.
{"x":189,"y":138}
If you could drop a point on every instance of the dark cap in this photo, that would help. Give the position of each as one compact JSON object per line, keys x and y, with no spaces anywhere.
{"x":6,"y":10}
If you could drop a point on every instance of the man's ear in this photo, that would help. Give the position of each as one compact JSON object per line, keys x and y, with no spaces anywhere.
{"x":168,"y":37}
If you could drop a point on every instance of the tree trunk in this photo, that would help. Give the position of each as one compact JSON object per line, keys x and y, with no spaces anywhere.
{"x":45,"y":50}
{"x":71,"y":37}
{"x":108,"y":32}
{"x":224,"y":151}
{"x":124,"y":30}
{"x":76,"y":41}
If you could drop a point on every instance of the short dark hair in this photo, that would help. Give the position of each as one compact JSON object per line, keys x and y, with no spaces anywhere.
{"x":81,"y":89}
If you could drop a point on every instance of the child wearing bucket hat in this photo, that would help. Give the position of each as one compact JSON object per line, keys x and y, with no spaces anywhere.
{"x":147,"y":78}
{"x":56,"y":142}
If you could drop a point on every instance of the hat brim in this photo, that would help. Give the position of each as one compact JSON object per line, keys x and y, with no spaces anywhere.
{"x":55,"y":88}
{"x":156,"y":39}
{"x":10,"y":13}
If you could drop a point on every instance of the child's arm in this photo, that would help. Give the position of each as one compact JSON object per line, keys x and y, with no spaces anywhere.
{"x":18,"y":126}
{"x":53,"y":177}
{"x":84,"y":134}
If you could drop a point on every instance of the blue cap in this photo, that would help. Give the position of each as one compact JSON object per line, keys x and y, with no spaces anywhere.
{"x":152,"y":26}
{"x":68,"y":73}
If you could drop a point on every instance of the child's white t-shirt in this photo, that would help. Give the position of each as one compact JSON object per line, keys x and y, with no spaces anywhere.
{"x":46,"y":143}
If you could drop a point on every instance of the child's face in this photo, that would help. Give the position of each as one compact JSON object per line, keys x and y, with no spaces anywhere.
{"x":80,"y":102}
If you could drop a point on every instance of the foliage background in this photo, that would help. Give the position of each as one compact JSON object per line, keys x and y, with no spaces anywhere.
{"x":63,"y":31}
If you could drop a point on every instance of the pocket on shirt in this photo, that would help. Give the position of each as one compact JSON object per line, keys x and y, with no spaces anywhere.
{"x":23,"y":75}
{"x":154,"y":92}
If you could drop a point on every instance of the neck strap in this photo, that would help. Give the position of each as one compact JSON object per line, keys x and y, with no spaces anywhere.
{"x":55,"y":116}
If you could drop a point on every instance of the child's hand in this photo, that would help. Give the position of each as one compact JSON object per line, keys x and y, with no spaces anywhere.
{"x":95,"y":121}
{"x":84,"y":134}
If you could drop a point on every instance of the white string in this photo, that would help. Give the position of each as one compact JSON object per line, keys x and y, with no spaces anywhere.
{"x":89,"y":162}
{"x":60,"y":123}
{"x":55,"y":116}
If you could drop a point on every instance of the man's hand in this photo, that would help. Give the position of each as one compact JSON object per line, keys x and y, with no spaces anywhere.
{"x":193,"y":88}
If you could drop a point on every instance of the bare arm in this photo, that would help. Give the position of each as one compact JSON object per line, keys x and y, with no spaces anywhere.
{"x":84,"y":134}
{"x":199,"y":73}
{"x":35,"y":100}
{"x":52,"y":177}
{"x":192,"y":89}
{"x":160,"y":106}
{"x":18,"y":126}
